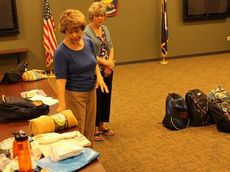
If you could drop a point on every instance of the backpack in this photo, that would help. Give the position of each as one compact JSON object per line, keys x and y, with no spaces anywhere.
{"x":176,"y":116}
{"x":197,"y":103}
{"x":219,"y":93}
{"x":15,"y":74}
{"x":17,"y":108}
{"x":220,"y":112}
{"x":219,"y":108}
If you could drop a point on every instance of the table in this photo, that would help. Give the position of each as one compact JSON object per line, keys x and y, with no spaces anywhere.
{"x":14,"y":90}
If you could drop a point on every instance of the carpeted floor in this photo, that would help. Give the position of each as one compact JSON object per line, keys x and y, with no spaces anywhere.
{"x":138,"y":106}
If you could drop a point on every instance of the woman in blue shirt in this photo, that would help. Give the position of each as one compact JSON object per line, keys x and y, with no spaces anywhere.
{"x":77,"y":72}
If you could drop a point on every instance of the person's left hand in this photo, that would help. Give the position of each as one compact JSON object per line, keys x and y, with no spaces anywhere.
{"x":110,"y":63}
{"x":102,"y":85}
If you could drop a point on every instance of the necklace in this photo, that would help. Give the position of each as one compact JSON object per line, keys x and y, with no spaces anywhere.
{"x":97,"y":30}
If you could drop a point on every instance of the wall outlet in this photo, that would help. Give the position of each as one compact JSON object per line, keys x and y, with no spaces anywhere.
{"x":228,"y":38}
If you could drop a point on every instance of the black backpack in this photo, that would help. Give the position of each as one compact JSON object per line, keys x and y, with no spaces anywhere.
{"x":16,"y":108}
{"x":197,"y":103}
{"x":219,"y":108}
{"x":15,"y":74}
{"x":176,"y":116}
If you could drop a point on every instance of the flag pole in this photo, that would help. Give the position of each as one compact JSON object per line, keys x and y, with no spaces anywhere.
{"x":164,"y":31}
{"x":51,"y":72}
{"x":49,"y":37}
{"x":163,"y":61}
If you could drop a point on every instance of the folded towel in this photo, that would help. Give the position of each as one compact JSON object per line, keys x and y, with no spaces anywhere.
{"x":54,"y":137}
{"x":44,"y":142}
{"x":70,"y":164}
{"x":64,"y":149}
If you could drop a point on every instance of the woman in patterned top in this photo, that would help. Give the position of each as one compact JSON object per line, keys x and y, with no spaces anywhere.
{"x":100,"y":35}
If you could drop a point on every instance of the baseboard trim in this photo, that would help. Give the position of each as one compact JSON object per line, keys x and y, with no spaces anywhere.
{"x":172,"y":57}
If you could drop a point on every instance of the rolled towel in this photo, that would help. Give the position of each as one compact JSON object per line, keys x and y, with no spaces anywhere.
{"x":56,"y":122}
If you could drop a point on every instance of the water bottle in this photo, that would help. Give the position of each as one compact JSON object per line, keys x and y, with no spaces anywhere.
{"x":21,"y":149}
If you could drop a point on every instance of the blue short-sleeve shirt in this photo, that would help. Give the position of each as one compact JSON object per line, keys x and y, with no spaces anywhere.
{"x":77,"y":67}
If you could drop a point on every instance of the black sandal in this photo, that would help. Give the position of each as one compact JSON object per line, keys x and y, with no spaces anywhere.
{"x":98,"y":137}
{"x":107,"y":132}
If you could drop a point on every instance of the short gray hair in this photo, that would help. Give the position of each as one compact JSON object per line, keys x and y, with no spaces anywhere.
{"x":96,"y":8}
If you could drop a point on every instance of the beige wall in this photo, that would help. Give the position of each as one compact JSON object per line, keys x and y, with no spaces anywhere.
{"x":135,"y":33}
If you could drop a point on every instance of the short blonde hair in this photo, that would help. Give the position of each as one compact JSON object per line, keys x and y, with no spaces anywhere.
{"x":96,"y":8}
{"x":71,"y":18}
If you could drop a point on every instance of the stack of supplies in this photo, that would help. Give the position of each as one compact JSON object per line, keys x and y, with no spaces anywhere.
{"x":63,"y":152}
{"x":60,"y":146}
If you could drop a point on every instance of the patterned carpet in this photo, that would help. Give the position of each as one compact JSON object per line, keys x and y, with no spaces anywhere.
{"x":138,"y":106}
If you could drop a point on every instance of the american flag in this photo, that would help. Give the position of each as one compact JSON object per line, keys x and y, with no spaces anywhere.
{"x":49,"y":38}
{"x":164,"y":28}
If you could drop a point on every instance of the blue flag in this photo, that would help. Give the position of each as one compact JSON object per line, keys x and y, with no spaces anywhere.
{"x":164,"y":29}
